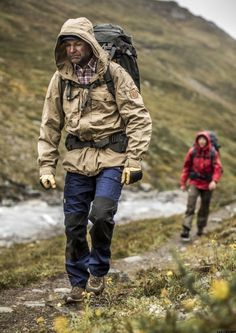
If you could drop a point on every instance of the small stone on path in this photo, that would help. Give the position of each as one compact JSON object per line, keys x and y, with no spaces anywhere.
{"x":34,"y":304}
{"x":5,"y":309}
{"x":62,"y":290}
{"x":39,"y":291}
{"x":133,"y":259}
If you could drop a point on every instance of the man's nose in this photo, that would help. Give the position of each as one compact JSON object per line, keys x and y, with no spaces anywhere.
{"x":71,"y":48}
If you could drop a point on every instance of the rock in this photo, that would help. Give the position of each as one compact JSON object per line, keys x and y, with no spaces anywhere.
{"x":132,"y":259}
{"x":157,"y":309}
{"x":32,"y":193}
{"x":39,"y":291}
{"x":146,"y":83}
{"x":62,"y":290}
{"x":34,"y":304}
{"x":5,"y":309}
{"x":216,"y":219}
{"x":178,"y":14}
{"x":218,"y":274}
{"x":118,"y":275}
{"x":7,"y":202}
{"x":146,"y":187}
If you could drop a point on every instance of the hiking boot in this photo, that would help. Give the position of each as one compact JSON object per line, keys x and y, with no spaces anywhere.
{"x":185,"y":234}
{"x":76,"y":295}
{"x":95,"y":284}
{"x":199,"y":232}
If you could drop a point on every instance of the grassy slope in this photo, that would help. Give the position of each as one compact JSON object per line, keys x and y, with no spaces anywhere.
{"x":25,"y":263}
{"x":188,"y":74}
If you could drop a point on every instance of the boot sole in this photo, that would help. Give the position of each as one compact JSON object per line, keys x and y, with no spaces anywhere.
{"x":185,"y":239}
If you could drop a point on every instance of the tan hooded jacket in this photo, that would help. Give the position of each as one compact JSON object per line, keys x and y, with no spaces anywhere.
{"x":103,"y":116}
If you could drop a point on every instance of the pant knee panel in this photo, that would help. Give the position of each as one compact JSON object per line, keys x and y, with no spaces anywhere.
{"x":102,"y":214}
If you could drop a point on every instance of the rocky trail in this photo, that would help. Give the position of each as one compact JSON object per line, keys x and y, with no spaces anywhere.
{"x":29,"y":308}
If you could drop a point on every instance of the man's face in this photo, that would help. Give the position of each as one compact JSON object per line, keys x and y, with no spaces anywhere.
{"x":202,"y":141}
{"x":78,"y":52}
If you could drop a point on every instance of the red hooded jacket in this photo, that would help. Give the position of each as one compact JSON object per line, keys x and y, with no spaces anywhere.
{"x":201,"y":164}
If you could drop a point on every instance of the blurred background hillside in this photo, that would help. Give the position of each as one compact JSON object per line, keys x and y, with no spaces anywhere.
{"x":188,"y":73}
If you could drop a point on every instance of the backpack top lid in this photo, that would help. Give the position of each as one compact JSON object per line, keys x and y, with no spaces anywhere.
{"x":107,"y":33}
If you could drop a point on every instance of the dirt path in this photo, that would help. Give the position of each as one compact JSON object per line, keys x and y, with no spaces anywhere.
{"x":27,"y":309}
{"x":162,"y":257}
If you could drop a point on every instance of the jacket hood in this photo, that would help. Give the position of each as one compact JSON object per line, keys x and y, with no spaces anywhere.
{"x":205,"y":135}
{"x":82,"y":28}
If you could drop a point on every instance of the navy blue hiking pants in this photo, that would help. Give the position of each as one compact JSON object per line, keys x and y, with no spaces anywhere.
{"x":103,"y":191}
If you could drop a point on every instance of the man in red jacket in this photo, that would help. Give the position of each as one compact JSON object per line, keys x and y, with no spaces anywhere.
{"x":203,"y":169}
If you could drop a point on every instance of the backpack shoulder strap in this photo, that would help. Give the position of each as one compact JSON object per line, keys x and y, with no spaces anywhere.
{"x":193,"y":154}
{"x":109,"y":82}
{"x":212,"y":155}
{"x":65,"y":85}
{"x":62,"y":89}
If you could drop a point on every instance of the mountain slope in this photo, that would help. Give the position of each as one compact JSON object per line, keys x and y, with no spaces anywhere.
{"x":188,"y":71}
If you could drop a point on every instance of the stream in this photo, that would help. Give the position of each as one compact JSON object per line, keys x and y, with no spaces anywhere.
{"x":34,"y":219}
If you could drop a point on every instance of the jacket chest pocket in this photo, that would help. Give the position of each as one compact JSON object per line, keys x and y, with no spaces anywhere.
{"x":71,"y":106}
{"x":103,"y":108}
{"x":72,"y":111}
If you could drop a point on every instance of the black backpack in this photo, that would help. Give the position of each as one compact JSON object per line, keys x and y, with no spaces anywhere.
{"x":113,"y":39}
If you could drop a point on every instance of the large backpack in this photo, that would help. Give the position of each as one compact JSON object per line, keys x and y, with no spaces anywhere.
{"x":214,"y":140}
{"x":119,"y":45}
{"x":215,"y":146}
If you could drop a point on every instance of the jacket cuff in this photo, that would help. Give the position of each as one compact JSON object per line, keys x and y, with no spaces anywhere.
{"x":130,"y":163}
{"x":47,"y":171}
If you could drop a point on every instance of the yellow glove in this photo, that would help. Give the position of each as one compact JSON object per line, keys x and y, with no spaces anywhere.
{"x":48,"y":181}
{"x":131,"y":175}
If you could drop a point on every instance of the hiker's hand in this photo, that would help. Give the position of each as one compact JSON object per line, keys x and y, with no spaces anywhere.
{"x":131,"y":175}
{"x":48,"y":181}
{"x":183,"y":188}
{"x":212,"y":185}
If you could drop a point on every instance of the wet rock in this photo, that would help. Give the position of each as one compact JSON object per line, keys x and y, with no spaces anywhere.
{"x":5,"y":309}
{"x":146,"y":187}
{"x":7,"y":202}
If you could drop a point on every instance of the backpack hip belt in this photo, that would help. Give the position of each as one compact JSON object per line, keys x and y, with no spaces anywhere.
{"x":195,"y":175}
{"x":116,"y":142}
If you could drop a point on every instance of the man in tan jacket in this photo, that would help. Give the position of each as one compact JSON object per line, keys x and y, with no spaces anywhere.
{"x":107,"y":137}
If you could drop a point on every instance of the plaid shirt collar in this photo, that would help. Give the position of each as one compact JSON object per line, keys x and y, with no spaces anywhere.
{"x":86,"y":73}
